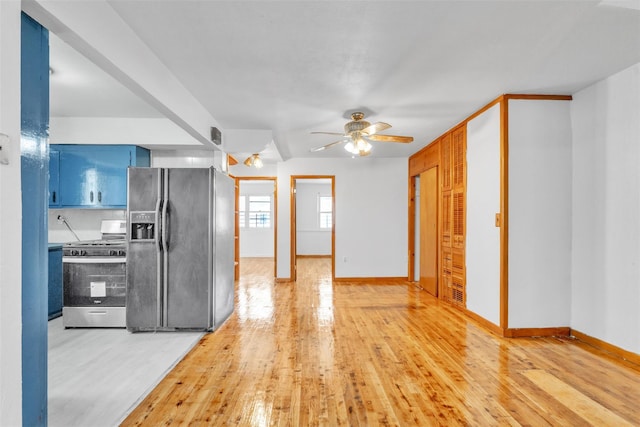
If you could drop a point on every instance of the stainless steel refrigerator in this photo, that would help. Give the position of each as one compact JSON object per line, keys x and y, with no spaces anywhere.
{"x":180,"y":255}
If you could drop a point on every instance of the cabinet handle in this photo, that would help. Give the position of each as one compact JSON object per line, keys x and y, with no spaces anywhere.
{"x":91,"y":196}
{"x":99,"y":196}
{"x":53,"y":197}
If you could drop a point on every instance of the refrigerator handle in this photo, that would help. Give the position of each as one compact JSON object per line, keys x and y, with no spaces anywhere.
{"x":157,"y":232}
{"x":165,"y":226}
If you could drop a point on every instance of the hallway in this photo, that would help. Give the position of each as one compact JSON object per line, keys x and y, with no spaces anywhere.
{"x":317,"y":353}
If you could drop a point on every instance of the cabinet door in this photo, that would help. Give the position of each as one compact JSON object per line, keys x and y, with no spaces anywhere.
{"x":54,"y":178}
{"x":445,"y":161}
{"x":458,"y":157}
{"x":111,"y":166}
{"x":78,"y":179}
{"x":55,"y":283}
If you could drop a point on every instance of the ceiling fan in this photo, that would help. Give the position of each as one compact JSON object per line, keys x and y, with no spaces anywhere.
{"x":359,"y":133}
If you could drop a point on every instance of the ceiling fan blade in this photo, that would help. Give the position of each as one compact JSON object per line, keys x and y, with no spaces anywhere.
{"x":324,"y":147}
{"x":390,"y":138}
{"x":375,"y":128}
{"x":329,"y":133}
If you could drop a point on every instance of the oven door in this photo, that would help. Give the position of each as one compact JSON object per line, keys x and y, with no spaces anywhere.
{"x":94,"y":281}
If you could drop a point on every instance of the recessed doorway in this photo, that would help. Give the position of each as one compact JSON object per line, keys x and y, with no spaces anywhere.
{"x":312,"y":219}
{"x":256,"y":220}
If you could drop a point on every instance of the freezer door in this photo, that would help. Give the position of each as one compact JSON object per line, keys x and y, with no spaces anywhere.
{"x":188,"y":231}
{"x":144,"y":261}
{"x":224,"y":208}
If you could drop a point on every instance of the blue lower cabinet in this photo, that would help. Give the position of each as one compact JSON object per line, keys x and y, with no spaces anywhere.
{"x":55,"y":281}
{"x":95,"y":176}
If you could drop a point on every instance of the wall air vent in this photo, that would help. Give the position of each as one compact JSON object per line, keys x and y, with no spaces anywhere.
{"x":216,"y":136}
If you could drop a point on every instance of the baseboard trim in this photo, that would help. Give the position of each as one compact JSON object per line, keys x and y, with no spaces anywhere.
{"x":605,"y":346}
{"x":484,"y":322}
{"x":372,"y":280}
{"x":313,"y":256}
{"x":283,"y":279}
{"x":517,"y":332}
{"x":561,"y":331}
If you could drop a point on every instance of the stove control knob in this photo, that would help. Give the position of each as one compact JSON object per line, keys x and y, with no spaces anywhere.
{"x":74,"y":252}
{"x":121,"y":253}
{"x":113,"y":252}
{"x":83,"y":252}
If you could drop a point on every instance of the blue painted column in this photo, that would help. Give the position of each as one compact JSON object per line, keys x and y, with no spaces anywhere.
{"x":34,"y":152}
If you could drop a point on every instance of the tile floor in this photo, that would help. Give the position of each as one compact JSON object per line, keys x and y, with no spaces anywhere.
{"x":98,"y":376}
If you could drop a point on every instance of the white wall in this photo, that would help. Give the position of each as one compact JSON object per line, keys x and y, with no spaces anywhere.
{"x":483,"y":202}
{"x":370,"y":210}
{"x":257,"y":242}
{"x":606,"y":210}
{"x":310,"y":238}
{"x":240,"y":169}
{"x":539,"y":214}
{"x":10,"y":220}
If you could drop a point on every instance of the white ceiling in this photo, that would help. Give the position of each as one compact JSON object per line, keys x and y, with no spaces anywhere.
{"x":286,"y":68}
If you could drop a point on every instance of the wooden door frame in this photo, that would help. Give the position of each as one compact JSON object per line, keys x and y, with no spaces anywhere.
{"x":292,"y":222}
{"x":274,"y":221}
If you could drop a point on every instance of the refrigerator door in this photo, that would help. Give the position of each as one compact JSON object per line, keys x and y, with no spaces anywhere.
{"x":188,"y":235}
{"x":224,"y":207}
{"x":144,"y":261}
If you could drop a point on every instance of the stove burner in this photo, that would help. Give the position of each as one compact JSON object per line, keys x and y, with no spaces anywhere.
{"x":101,"y":248}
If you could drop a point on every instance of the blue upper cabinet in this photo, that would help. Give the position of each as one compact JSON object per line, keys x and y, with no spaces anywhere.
{"x":95,"y":176}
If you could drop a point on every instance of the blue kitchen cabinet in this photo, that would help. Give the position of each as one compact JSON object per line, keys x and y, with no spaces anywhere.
{"x":55,"y":281}
{"x":54,"y":178}
{"x":95,"y":176}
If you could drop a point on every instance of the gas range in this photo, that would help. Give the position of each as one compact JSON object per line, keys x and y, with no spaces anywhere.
{"x":94,"y":279}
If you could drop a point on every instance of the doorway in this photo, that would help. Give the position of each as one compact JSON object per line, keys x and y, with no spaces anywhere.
{"x":256,"y":220}
{"x":427,"y":213}
{"x":312,"y":206}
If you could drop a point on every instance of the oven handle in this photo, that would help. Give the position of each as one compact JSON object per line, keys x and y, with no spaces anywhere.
{"x":94,"y":260}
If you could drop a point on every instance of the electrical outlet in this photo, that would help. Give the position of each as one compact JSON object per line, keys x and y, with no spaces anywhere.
{"x":344,"y":259}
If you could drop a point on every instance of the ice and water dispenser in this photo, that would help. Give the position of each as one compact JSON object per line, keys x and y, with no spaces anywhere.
{"x":143,"y":226}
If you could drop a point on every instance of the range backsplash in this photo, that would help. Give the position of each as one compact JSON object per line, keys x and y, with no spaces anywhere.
{"x":85,"y":223}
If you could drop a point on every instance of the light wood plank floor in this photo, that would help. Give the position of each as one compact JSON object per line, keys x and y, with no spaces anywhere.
{"x":317,"y":353}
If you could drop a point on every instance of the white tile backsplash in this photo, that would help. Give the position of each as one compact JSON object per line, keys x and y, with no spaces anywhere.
{"x":85,"y":223}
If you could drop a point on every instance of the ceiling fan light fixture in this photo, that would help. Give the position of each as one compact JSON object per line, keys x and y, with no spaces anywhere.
{"x":359,"y":147}
{"x":350,"y":147}
{"x":254,"y":160}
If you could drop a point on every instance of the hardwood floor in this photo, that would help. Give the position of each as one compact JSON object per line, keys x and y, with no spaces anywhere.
{"x":317,"y":353}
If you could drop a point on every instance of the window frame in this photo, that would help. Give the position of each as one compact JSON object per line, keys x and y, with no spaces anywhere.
{"x":325,"y":213}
